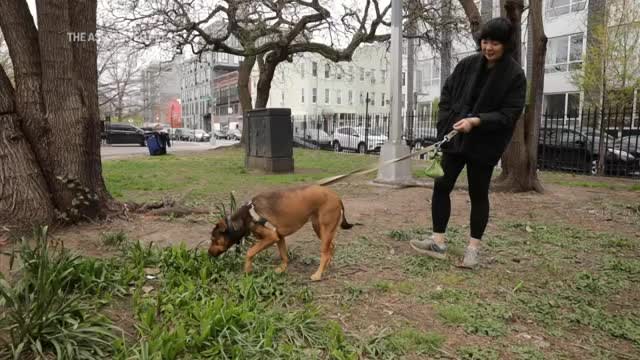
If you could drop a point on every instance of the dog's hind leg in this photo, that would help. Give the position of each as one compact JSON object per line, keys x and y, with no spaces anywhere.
{"x":282,"y":248}
{"x":327,"y":234}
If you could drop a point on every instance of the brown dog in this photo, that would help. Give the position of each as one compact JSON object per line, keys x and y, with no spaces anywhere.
{"x":272,"y":216}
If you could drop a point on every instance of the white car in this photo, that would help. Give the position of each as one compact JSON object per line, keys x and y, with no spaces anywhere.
{"x":201,"y":135}
{"x":319,"y":137}
{"x":358,"y":139}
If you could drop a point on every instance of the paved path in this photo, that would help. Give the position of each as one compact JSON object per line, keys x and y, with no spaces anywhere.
{"x":110,"y":152}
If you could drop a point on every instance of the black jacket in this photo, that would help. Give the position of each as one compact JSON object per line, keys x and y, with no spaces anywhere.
{"x":499,"y":105}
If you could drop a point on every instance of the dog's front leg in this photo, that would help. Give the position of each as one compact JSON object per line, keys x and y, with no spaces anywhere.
{"x":264,"y":242}
{"x":282,"y":248}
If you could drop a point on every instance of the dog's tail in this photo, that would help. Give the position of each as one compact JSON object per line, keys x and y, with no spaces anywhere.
{"x":344,"y":224}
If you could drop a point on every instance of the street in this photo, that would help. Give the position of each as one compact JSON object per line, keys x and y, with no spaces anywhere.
{"x":110,"y":152}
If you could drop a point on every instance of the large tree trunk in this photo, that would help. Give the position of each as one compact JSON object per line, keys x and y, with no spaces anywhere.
{"x":445,"y":49}
{"x":267,"y":70}
{"x":519,"y":162}
{"x":24,"y":199}
{"x":56,"y":96}
{"x":473,"y":15}
{"x":244,"y":77}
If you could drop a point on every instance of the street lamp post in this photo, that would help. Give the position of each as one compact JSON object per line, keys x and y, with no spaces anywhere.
{"x":395,"y":147}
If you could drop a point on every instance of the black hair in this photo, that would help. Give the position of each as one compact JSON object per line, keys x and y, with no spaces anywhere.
{"x":498,"y":29}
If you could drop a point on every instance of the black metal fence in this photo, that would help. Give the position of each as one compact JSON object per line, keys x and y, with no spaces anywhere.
{"x":581,"y":142}
{"x":565,"y":143}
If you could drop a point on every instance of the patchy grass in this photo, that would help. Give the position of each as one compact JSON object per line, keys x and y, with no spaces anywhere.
{"x":571,"y":180}
{"x":205,"y":178}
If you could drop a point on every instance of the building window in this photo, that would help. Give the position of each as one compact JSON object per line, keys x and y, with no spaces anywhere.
{"x":327,"y":70}
{"x":224,"y":57}
{"x":382,"y":100}
{"x":302,"y":98}
{"x":339,"y":73}
{"x":314,"y":95}
{"x":430,"y":73}
{"x":561,"y":7}
{"x":361,"y":74}
{"x":418,"y":81}
{"x":338,"y":97}
{"x":373,"y":99}
{"x":404,"y":78}
{"x":564,"y":53}
{"x":281,"y":97}
{"x":562,"y":106}
{"x":350,"y":97}
{"x":326,"y":96}
{"x":314,"y":69}
{"x":373,"y":76}
{"x":404,"y":96}
{"x":361,"y":98}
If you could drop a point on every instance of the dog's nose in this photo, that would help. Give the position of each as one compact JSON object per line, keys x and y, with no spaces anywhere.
{"x":213,"y":252}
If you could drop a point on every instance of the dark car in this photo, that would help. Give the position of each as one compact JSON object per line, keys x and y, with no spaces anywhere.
{"x":570,"y":149}
{"x":420,"y":137}
{"x":124,"y":134}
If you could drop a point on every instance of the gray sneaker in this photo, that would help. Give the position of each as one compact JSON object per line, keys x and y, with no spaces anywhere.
{"x":471,"y":258}
{"x":429,"y":247}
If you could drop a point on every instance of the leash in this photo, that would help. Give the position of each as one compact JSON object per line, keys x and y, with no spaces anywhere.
{"x":366,"y":170}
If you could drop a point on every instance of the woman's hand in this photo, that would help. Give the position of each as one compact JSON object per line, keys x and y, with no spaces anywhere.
{"x":467,"y":124}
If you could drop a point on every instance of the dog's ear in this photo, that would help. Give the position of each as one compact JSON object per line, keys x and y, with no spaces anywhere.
{"x":221,"y":226}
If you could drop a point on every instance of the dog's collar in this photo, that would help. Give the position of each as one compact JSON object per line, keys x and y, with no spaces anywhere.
{"x":259,"y":219}
{"x":235,"y":234}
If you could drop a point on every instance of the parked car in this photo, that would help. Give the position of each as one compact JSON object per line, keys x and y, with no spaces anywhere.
{"x":201,"y":135}
{"x":569,"y":149}
{"x":183,"y":134}
{"x":318,"y":136}
{"x":124,"y":134}
{"x":630,"y":144}
{"x":358,"y":139}
{"x":219,"y":134}
{"x":234,"y":134}
{"x":420,"y":137}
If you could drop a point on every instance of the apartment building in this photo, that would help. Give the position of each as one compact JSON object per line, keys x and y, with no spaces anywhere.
{"x":160,"y":91}
{"x":197,"y":87}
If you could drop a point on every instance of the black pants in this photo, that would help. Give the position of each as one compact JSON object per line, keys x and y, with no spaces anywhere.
{"x":479,"y":177}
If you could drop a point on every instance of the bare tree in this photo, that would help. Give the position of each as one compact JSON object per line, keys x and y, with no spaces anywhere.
{"x":49,"y":126}
{"x":119,"y":85}
{"x":269,"y":32}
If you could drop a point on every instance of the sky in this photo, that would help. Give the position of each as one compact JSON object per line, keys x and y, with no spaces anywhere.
{"x":32,"y":6}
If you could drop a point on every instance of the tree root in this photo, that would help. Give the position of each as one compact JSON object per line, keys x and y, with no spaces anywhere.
{"x":166,"y":207}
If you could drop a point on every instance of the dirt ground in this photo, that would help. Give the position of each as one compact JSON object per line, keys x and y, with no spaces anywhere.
{"x":366,"y":288}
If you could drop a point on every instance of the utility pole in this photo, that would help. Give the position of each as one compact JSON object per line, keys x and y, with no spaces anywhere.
{"x":400,"y":171}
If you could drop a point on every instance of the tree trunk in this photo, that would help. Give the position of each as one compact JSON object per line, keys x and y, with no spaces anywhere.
{"x":473,"y":15}
{"x":445,"y":49}
{"x":267,"y":70}
{"x":486,"y":9}
{"x":519,"y":162}
{"x":56,"y":95}
{"x":244,"y":92}
{"x":24,"y":199}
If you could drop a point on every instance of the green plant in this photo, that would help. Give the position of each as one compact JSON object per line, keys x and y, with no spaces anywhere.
{"x":477,"y":353}
{"x":47,"y":311}
{"x":117,"y":238}
{"x":389,"y":344}
{"x":400,"y":235}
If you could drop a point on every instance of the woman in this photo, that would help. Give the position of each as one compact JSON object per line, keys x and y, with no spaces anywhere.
{"x":482,"y":100}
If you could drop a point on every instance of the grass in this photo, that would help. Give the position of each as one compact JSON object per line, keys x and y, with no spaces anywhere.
{"x":206,"y":177}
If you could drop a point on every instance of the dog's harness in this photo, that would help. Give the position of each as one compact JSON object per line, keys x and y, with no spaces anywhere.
{"x":260,"y":220}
